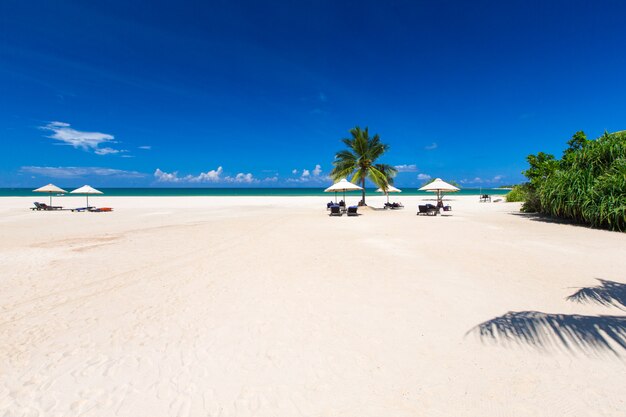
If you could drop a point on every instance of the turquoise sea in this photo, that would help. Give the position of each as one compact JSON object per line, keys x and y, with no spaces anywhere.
{"x":224,"y":192}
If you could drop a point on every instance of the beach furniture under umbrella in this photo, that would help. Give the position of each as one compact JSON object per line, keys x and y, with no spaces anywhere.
{"x":342,"y":185}
{"x":86,"y":189}
{"x":439,"y":186}
{"x":50,"y":189}
{"x":390,"y":189}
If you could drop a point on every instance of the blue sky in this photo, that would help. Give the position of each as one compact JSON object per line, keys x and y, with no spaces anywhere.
{"x":247,"y":93}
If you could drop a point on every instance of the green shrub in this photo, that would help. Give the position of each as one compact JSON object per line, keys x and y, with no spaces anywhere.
{"x":587,"y":186}
{"x":532,"y":203}
{"x":517,"y":194}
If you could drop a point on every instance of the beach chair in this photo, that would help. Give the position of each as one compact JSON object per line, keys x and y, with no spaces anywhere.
{"x":80,"y":209}
{"x":428,"y":210}
{"x":394,"y":206}
{"x":485,"y":198}
{"x":447,"y":208}
{"x":44,"y":206}
{"x":100,"y":209}
{"x":352,"y":211}
{"x":335,"y":210}
{"x":328,"y":205}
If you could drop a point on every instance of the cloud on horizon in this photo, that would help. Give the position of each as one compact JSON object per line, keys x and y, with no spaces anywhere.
{"x":312,"y":175}
{"x":78,"y":172}
{"x":214,"y":176}
{"x":406,"y":168}
{"x":87,"y":141}
{"x":478,"y":180}
{"x":423,"y":177}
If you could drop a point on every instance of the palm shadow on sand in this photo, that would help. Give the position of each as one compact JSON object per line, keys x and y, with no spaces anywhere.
{"x":574,"y":332}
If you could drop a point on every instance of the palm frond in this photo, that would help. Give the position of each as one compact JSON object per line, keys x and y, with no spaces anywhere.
{"x":378,"y":177}
{"x":388,"y":170}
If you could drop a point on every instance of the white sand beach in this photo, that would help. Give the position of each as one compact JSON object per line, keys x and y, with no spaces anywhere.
{"x":266,"y":306}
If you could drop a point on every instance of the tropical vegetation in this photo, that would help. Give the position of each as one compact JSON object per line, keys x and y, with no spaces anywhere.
{"x":358,"y":161}
{"x":518,"y":193}
{"x":587,"y":185}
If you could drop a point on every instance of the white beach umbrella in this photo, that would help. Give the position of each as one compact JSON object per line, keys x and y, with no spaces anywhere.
{"x":342,"y":185}
{"x":50,"y":189}
{"x":390,"y":189}
{"x":86,"y":189}
{"x":439,"y":186}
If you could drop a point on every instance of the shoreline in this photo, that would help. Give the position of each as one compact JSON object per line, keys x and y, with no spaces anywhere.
{"x":255,"y":192}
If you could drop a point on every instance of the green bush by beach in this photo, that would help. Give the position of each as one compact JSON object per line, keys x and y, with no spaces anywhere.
{"x":518,"y":193}
{"x":587,"y":185}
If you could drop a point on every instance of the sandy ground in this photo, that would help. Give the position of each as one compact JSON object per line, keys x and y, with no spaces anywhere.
{"x":247,"y":306}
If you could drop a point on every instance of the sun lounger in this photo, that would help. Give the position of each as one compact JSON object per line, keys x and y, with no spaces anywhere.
{"x":393,"y":206}
{"x":100,"y":209}
{"x":352,"y":211}
{"x":428,"y":210}
{"x":335,"y":210}
{"x":328,"y":205}
{"x":485,"y":198}
{"x":83,"y":208}
{"x":44,"y":206}
{"x":447,"y":208}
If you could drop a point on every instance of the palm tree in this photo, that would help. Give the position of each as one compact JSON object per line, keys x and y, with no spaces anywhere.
{"x":359,"y":160}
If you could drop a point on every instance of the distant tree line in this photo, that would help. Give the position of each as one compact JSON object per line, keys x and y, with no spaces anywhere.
{"x":587,"y":185}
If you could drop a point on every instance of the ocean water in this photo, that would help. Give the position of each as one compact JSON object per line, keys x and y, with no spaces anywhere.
{"x":225,"y":192}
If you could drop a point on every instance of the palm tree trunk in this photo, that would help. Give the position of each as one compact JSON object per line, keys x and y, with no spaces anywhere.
{"x":363,"y":191}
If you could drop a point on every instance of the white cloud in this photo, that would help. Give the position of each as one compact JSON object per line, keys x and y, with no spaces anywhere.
{"x":423,"y":177}
{"x":478,"y":180}
{"x":106,"y":151}
{"x":431,"y":146}
{"x":406,"y":168}
{"x":313,"y":175}
{"x":145,"y":147}
{"x":212,"y":176}
{"x":209,"y":176}
{"x":162,"y":176}
{"x":317,"y":170}
{"x":87,"y":141}
{"x":77,"y":172}
{"x":59,"y":124}
{"x":241,"y":177}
